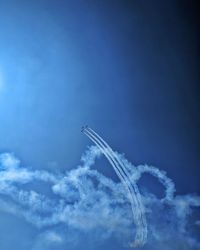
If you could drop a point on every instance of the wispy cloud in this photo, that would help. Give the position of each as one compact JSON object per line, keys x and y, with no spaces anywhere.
{"x":84,"y":199}
{"x":47,"y":238}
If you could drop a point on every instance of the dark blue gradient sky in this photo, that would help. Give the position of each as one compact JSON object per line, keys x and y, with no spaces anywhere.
{"x":129,"y":69}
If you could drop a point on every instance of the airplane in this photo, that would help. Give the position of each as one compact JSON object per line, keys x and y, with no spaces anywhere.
{"x":84,"y":127}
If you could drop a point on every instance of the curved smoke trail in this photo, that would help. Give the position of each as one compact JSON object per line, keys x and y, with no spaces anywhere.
{"x":79,"y":194}
{"x":131,"y":187}
{"x":139,"y":238}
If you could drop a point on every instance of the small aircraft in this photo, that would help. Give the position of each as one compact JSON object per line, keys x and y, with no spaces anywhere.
{"x":84,"y":127}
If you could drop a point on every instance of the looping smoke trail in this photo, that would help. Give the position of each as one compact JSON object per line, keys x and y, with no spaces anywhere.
{"x":85,"y":200}
{"x":159,"y":174}
{"x":162,"y":178}
{"x":130,"y":186}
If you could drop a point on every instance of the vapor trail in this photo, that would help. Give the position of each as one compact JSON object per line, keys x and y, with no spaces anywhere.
{"x":134,"y":195}
{"x":135,"y":198}
{"x":132,"y":183}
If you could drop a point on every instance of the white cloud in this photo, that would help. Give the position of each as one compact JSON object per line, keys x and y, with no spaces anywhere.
{"x":86,"y":200}
{"x":46,"y":239}
{"x":8,"y":161}
{"x":52,"y":236}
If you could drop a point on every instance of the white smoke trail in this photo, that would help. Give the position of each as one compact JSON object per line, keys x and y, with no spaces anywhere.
{"x":140,"y":213}
{"x":134,"y":195}
{"x":85,"y":200}
{"x":136,"y":210}
{"x":115,"y":166}
{"x":161,"y":176}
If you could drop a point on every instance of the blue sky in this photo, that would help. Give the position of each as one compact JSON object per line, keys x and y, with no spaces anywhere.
{"x":129,"y":70}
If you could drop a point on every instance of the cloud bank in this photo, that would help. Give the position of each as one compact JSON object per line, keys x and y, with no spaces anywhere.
{"x":85,"y":200}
